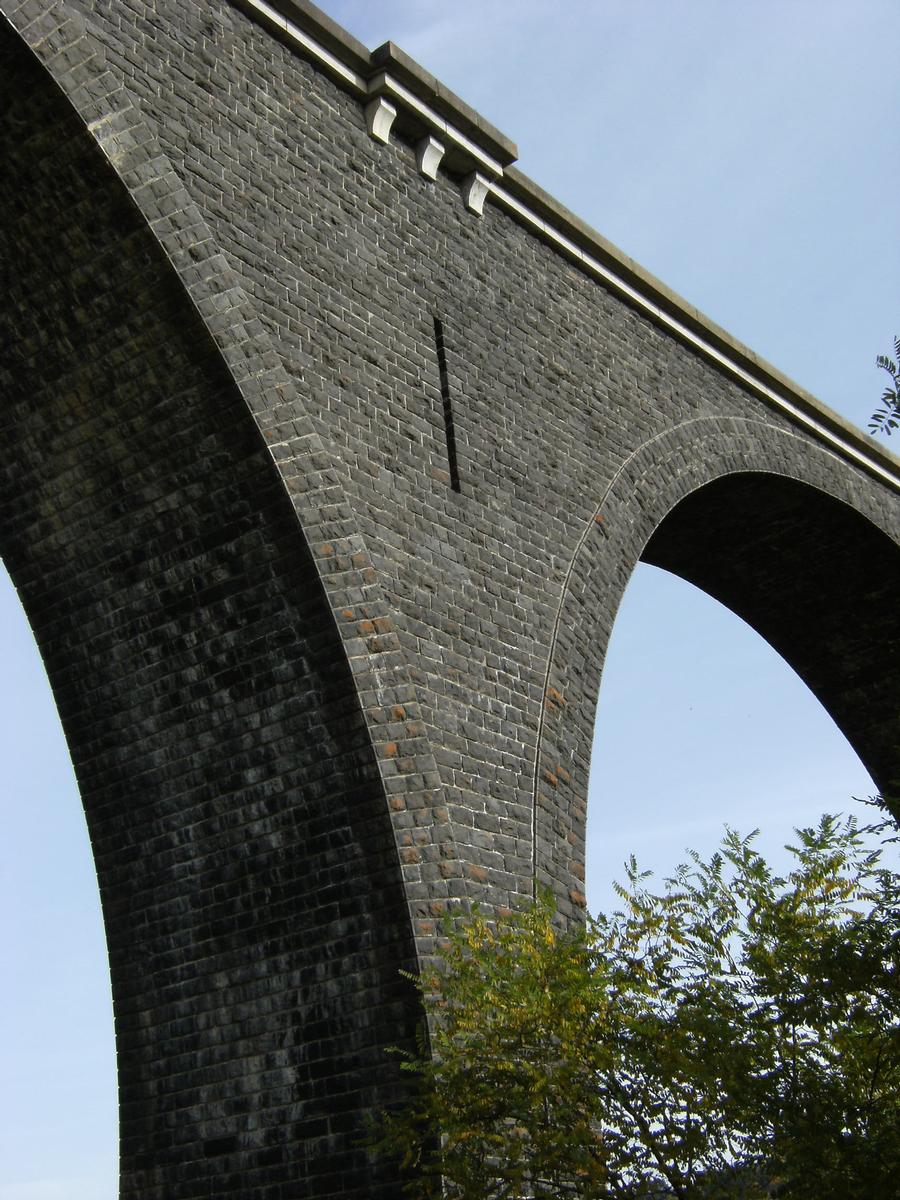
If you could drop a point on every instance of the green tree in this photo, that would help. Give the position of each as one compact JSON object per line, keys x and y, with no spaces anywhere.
{"x":887,"y":418}
{"x":506,"y":1086}
{"x":735,"y":1034}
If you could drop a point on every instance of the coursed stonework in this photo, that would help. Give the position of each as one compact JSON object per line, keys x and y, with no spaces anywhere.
{"x":329,"y":445}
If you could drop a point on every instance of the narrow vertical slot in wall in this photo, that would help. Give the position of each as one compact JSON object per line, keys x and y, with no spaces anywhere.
{"x":448,"y":410}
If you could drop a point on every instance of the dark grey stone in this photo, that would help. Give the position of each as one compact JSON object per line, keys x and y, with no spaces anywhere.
{"x":312,"y":692}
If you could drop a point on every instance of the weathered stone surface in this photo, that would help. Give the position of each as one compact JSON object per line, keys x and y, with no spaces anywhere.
{"x":321,"y":492}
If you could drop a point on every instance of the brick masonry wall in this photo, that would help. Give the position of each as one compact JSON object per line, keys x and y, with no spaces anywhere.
{"x":404,"y":650}
{"x":254,"y":909}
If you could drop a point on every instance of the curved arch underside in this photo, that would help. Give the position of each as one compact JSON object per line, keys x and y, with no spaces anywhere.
{"x":789,"y":542}
{"x":247,"y":793}
{"x":816,"y":580}
{"x":254,"y":909}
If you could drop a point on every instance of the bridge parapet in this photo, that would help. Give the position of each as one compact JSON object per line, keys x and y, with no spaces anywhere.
{"x":330,"y":442}
{"x":402,"y":96}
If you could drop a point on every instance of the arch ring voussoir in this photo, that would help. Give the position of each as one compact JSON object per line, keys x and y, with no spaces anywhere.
{"x":650,"y":485}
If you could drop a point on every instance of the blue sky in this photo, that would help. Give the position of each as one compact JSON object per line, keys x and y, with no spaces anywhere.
{"x":748,"y":155}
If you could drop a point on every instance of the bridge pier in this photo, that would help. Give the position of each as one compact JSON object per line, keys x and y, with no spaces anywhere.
{"x":321,"y":484}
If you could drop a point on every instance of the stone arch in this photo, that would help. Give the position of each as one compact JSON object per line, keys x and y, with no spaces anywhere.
{"x":782,"y":532}
{"x":74,"y":60}
{"x":255,"y":912}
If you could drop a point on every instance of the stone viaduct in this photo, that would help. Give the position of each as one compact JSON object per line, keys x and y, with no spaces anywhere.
{"x":329,"y":443}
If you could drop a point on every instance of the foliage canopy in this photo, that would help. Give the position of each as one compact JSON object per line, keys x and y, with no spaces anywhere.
{"x":887,"y":418}
{"x":736,"y":1034}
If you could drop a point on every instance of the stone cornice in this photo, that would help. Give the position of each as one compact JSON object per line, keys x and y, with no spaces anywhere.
{"x":400,"y":95}
{"x":304,"y":27}
{"x":446,"y":104}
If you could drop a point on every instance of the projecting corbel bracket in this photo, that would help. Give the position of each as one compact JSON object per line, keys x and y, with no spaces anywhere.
{"x":474,"y":191}
{"x":380,"y":114}
{"x":429,"y":153}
